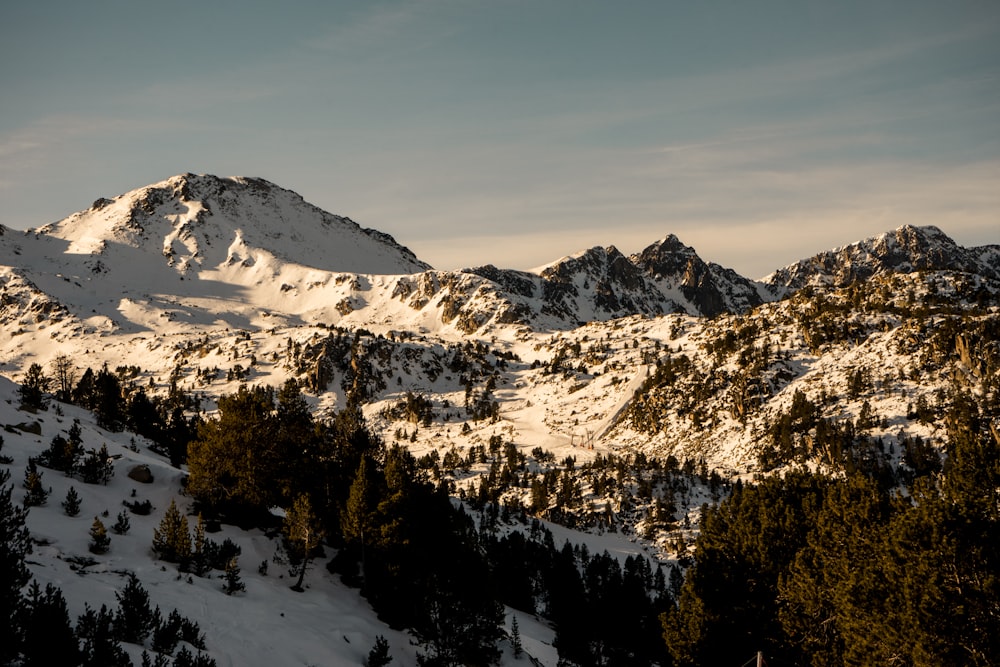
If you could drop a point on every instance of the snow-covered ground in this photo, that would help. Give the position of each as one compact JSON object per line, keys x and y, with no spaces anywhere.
{"x":268,"y":624}
{"x":217,"y":282}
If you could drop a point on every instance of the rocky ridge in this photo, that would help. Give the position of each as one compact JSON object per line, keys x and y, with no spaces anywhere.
{"x":213,"y":282}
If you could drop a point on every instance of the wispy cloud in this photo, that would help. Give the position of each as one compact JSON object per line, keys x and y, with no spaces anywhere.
{"x":42,"y":142}
{"x":38,"y":145}
{"x":386,"y":31}
{"x":740,"y":202}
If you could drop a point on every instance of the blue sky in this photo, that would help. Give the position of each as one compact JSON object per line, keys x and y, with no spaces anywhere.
{"x":514,"y":132}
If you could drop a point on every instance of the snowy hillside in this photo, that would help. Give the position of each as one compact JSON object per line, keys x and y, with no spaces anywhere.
{"x":606,"y":396}
{"x":267,"y":624}
{"x":196,"y":223}
{"x":213,"y":282}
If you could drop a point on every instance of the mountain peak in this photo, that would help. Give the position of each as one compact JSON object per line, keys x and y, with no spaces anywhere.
{"x":708,"y":288}
{"x":906,"y":249}
{"x":202,"y":221}
{"x":670,"y":242}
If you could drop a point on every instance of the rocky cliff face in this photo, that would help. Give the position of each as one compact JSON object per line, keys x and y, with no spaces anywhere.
{"x":705,"y":288}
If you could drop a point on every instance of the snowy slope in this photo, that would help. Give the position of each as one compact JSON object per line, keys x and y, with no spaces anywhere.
{"x":212,"y":280}
{"x":268,"y":624}
{"x":199,"y":222}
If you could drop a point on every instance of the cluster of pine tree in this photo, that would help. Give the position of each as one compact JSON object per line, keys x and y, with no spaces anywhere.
{"x":604,"y":612}
{"x":399,"y":537}
{"x":38,"y":630}
{"x":610,"y":493}
{"x":193,"y":551}
{"x":66,"y":454}
{"x":820,"y":570}
{"x":419,"y":558}
{"x":117,"y":403}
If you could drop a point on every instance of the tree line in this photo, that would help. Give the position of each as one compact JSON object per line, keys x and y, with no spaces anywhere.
{"x":816,"y":569}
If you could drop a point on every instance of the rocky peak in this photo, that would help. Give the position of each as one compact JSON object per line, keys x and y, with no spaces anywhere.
{"x":706,"y":288}
{"x":904,"y":250}
{"x":668,"y":257}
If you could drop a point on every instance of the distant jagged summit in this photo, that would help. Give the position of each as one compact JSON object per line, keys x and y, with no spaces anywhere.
{"x":204,"y":221}
{"x":197,"y":252}
{"x":904,"y":250}
{"x":708,"y":288}
{"x":605,"y":280}
{"x":601,"y":283}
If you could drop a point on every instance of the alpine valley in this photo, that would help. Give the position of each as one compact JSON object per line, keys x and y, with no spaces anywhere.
{"x":609,"y":460}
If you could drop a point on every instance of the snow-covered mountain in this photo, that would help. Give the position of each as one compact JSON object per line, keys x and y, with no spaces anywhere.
{"x":701,"y":288}
{"x":903,"y":250}
{"x":204,"y":251}
{"x":199,"y":248}
{"x":599,"y":284}
{"x":204,"y":284}
{"x":241,"y":270}
{"x":196,"y":223}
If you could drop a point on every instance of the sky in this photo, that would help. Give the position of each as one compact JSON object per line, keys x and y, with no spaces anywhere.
{"x":514,"y":132}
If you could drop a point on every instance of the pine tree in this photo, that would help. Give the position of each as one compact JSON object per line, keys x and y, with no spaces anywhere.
{"x":179,"y":432}
{"x":122,"y":523}
{"x":185,"y":658}
{"x":379,"y":656}
{"x":97,"y":466}
{"x":65,"y":375}
{"x":295,"y":433}
{"x":100,"y":541}
{"x":515,"y":638}
{"x":159,"y":661}
{"x":15,"y":545}
{"x":75,"y":439}
{"x":232,"y":462}
{"x":83,"y":392}
{"x":100,"y":648}
{"x":199,"y":558}
{"x":108,"y":402}
{"x":72,"y":503}
{"x":62,"y":455}
{"x":357,"y":521}
{"x":303,"y":533}
{"x":34,"y":384}
{"x":192,"y":634}
{"x":171,"y":541}
{"x":134,"y":617}
{"x":48,"y":637}
{"x":166,"y":633}
{"x":36,"y":495}
{"x":233,"y":582}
